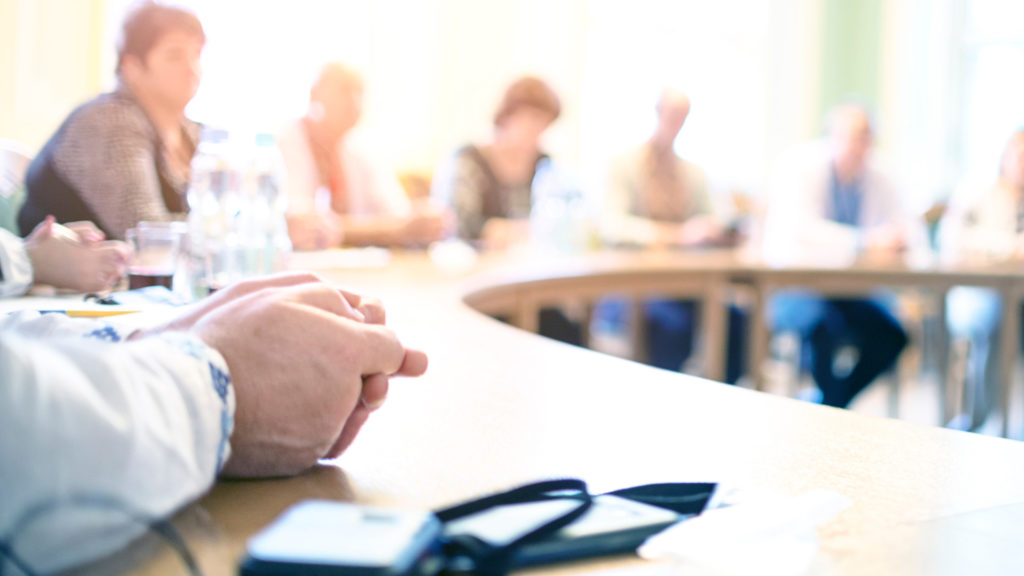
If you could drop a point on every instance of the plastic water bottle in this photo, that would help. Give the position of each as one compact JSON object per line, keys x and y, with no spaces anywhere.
{"x":557,"y":212}
{"x":267,"y":228}
{"x":236,"y":211}
{"x":209,"y":222}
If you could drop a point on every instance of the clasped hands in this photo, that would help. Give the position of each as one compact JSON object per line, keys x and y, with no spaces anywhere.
{"x":308,"y":362}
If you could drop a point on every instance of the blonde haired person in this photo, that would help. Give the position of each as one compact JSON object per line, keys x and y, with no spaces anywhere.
{"x":657,"y":199}
{"x":336,"y":192}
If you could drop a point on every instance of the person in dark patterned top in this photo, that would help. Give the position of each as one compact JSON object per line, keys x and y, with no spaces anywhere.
{"x":489,"y":185}
{"x":124,"y":156}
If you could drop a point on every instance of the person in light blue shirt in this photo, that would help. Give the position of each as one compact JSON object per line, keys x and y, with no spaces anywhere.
{"x":833,"y":202}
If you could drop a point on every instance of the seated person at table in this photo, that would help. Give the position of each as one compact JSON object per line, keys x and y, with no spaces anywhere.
{"x":489,"y":185}
{"x":984,"y":224}
{"x":104,"y":430}
{"x":656,"y":199}
{"x":74,"y":257}
{"x":124,"y":157}
{"x":832,"y":196}
{"x":361,"y":204}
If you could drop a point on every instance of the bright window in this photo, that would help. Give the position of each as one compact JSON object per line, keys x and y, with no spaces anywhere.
{"x":993,"y":98}
{"x":436,"y":68}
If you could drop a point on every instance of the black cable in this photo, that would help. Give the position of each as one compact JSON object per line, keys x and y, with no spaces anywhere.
{"x":173,"y":538}
{"x":8,"y":553}
{"x":158,"y":526}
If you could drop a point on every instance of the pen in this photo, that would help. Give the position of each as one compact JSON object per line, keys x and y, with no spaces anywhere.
{"x":89,"y":313}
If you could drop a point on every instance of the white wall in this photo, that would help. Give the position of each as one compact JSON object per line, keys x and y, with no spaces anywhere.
{"x":49,"y":63}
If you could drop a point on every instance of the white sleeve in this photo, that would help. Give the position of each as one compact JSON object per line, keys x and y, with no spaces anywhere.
{"x":797,"y":230}
{"x":95,"y":433}
{"x":15,"y":266}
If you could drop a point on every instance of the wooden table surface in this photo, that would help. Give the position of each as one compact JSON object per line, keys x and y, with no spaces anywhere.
{"x":500,"y":407}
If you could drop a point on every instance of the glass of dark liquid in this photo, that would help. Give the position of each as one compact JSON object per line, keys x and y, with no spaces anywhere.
{"x":156,"y":256}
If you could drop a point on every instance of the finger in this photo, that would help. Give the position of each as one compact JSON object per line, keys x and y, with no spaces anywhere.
{"x":42,"y":230}
{"x":379,"y":349}
{"x":113,"y":270}
{"x":86,"y":231}
{"x":371,"y":308}
{"x":353,"y":299}
{"x":236,"y":292}
{"x":375,"y":391}
{"x":414,"y":363}
{"x":349,"y":431}
{"x":115,"y":251}
{"x":325,"y":298}
{"x":284,"y":280}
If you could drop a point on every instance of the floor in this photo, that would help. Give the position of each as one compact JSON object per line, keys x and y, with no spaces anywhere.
{"x":917,"y":376}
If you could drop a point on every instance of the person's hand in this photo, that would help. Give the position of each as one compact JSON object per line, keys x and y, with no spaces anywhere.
{"x":423,"y":228}
{"x":699,"y":230}
{"x":86,"y":231}
{"x":375,"y":387}
{"x":351,"y":306}
{"x":358,"y":308}
{"x":885,"y":240}
{"x":503,"y":233}
{"x":315,"y":231}
{"x":327,"y":371}
{"x":60,"y":258}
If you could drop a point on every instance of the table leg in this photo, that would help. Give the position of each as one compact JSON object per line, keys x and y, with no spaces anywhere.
{"x":757,"y":337}
{"x":942,"y":362}
{"x":637,"y":325}
{"x":1009,"y":337}
{"x":527,"y":311}
{"x":586,"y":321}
{"x":713,"y":317}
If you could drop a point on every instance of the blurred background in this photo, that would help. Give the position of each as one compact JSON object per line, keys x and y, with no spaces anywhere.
{"x":942,"y":75}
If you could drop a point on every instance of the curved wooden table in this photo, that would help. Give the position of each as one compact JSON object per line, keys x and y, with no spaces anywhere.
{"x":710,"y":276}
{"x":499,"y":407}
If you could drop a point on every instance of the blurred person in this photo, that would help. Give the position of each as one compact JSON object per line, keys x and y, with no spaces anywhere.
{"x":834,"y":198}
{"x":104,"y":429}
{"x":489,"y":185}
{"x":984,"y":224}
{"x":125,"y":156}
{"x":365,"y":205}
{"x":73,"y":257}
{"x":656,"y":199}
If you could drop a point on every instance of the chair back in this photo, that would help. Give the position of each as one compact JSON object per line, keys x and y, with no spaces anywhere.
{"x":14,"y":161}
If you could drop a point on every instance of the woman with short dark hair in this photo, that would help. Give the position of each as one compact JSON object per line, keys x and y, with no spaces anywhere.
{"x":488,"y":185}
{"x":124,"y":157}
